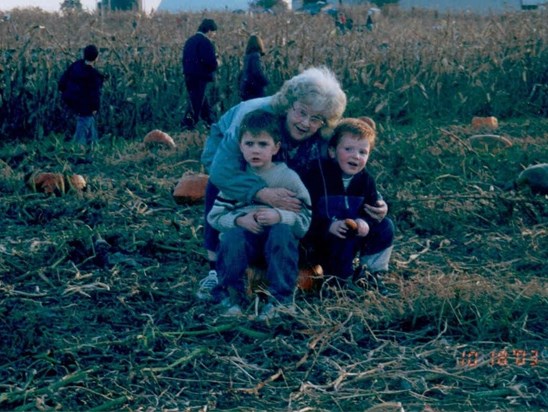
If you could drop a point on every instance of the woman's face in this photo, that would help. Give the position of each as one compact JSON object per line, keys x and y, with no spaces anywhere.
{"x":302,"y":122}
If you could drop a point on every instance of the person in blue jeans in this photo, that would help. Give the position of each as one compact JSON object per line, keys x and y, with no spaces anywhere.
{"x":80,"y":85}
{"x":259,"y":235}
{"x":308,"y":107}
{"x":341,"y":188}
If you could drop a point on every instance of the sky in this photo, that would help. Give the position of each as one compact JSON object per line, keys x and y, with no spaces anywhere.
{"x":54,"y":5}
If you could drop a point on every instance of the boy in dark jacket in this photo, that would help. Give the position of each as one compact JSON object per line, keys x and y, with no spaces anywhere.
{"x":341,"y":189}
{"x":199,"y":66}
{"x":81,"y":87}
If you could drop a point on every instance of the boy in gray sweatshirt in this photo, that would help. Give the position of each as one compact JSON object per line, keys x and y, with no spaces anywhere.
{"x":255,"y":234}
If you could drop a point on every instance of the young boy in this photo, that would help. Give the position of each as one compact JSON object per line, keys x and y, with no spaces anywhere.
{"x":81,"y":87}
{"x":254,"y":234}
{"x":341,"y":189}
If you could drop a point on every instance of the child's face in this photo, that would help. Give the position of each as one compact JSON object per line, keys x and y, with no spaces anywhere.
{"x":351,"y":154}
{"x":258,"y":150}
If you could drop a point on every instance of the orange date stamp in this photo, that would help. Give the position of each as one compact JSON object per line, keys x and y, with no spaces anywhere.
{"x":500,"y":358}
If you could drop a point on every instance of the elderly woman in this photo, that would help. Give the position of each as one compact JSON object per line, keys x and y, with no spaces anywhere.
{"x":308,"y":107}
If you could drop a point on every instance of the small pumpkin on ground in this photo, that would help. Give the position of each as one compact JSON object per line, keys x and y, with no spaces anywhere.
{"x":190,"y":189}
{"x":76,"y":182}
{"x":157,"y":136}
{"x":256,"y":280}
{"x":310,"y":278}
{"x":55,"y":183}
{"x":47,"y":182}
{"x":490,"y":122}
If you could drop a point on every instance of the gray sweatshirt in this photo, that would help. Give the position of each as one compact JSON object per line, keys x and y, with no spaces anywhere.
{"x":225,"y":211}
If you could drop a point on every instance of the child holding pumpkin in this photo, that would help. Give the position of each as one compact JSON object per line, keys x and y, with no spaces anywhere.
{"x":253,"y":234}
{"x":342,"y":191}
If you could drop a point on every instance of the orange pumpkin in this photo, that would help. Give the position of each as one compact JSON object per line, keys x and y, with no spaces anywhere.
{"x":256,"y":280}
{"x":157,"y":136}
{"x":310,"y":278}
{"x":47,"y":182}
{"x":490,"y":122}
{"x":351,"y":225}
{"x":76,"y":182}
{"x":190,"y":189}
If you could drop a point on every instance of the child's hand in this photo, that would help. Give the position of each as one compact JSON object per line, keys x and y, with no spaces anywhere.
{"x":340,"y":229}
{"x":248,"y":222}
{"x":363,"y":227}
{"x":267,"y":217}
{"x":377,"y":212}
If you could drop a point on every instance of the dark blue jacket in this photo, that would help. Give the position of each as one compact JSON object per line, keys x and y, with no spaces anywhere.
{"x":330,"y":200}
{"x":254,"y":80}
{"x":199,"y":59}
{"x":81,"y":86}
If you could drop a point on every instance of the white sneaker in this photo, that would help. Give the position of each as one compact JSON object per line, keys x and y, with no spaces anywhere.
{"x":206,"y":284}
{"x":232,"y":309}
{"x":272,"y":311}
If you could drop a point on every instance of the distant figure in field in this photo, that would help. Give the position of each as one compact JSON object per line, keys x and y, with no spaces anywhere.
{"x":369,"y":23}
{"x":199,"y":66}
{"x":253,"y":80}
{"x":80,"y":86}
{"x":343,"y":23}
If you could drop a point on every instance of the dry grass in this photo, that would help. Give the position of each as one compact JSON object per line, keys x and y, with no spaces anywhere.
{"x":97,"y":287}
{"x":89,"y":325}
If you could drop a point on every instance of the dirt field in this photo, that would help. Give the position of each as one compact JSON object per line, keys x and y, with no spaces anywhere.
{"x":97,"y":289}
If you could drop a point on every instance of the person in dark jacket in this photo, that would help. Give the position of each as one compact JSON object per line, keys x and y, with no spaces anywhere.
{"x":341,"y":188}
{"x":199,"y":66}
{"x":253,"y":79}
{"x":80,"y":86}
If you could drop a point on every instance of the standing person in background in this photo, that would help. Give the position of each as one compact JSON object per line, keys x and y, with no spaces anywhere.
{"x":199,"y":66}
{"x":253,"y":78}
{"x":308,"y":106}
{"x":80,"y":86}
{"x":369,"y":23}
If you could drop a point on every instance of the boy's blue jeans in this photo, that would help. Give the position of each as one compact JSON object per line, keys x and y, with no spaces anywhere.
{"x":211,"y":236}
{"x":276,"y":246}
{"x":337,"y":255}
{"x":86,"y":130}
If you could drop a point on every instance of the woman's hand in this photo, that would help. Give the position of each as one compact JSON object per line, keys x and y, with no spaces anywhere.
{"x":377,"y":212}
{"x":280,"y":198}
{"x":267,"y":217}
